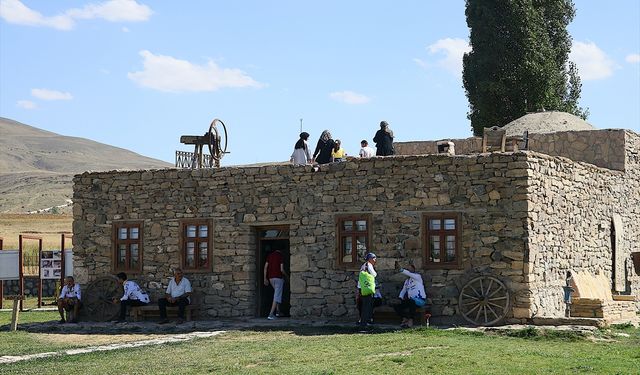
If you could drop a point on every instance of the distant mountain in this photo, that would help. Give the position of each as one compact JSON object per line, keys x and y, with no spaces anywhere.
{"x":37,"y":166}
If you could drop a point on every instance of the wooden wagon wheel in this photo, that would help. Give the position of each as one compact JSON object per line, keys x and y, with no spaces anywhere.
{"x":484,"y":301}
{"x":97,"y":301}
{"x":217,"y":142}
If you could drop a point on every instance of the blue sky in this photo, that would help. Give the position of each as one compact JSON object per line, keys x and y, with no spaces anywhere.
{"x":138,"y":74}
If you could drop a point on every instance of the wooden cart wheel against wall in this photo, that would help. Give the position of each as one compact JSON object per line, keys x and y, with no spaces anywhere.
{"x":97,"y":299}
{"x":484,"y":301}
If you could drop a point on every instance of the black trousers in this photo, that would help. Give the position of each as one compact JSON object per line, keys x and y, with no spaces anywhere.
{"x":406,"y":309}
{"x":128,"y":302}
{"x":367,"y":309}
{"x":377,"y":302}
{"x":181,"y":302}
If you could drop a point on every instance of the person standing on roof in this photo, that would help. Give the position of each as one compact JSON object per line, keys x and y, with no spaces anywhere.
{"x":384,"y":140}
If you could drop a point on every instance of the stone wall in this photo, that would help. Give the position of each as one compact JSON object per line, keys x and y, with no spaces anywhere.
{"x":571,"y":211}
{"x":465,"y":146}
{"x":50,"y":287}
{"x":489,"y":191}
{"x":604,"y":148}
{"x":526,"y":219}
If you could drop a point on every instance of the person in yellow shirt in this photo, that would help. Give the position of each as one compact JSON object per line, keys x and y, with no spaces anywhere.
{"x":338,"y":154}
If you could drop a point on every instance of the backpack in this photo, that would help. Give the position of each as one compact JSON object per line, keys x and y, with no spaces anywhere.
{"x":367,"y":283}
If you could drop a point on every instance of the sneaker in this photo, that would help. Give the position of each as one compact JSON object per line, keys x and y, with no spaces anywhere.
{"x":62,"y":321}
{"x":271,"y":317}
{"x":163,"y":321}
{"x":120,"y":321}
{"x":180,"y":321}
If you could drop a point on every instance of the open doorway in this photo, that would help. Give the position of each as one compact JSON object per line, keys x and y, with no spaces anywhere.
{"x":271,"y":239}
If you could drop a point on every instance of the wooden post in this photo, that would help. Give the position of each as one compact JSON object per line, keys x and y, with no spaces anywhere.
{"x":16,"y":310}
{"x":1,"y":281}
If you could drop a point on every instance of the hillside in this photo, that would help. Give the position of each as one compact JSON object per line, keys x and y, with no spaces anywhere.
{"x":37,"y":166}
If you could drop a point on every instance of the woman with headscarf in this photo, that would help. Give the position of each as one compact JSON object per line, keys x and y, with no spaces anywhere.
{"x":322,"y":154}
{"x":301,"y":154}
{"x":384,"y":140}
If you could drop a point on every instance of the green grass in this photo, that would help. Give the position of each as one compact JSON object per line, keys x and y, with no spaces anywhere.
{"x":29,"y":317}
{"x":336,"y":351}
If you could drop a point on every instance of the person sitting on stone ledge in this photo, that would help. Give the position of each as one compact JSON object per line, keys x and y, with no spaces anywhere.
{"x":411,"y":296}
{"x":69,"y":299}
{"x":133,"y":296}
{"x":177,"y":294}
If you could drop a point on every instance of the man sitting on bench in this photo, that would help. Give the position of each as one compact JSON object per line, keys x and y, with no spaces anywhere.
{"x":177,"y":294}
{"x":69,"y":299}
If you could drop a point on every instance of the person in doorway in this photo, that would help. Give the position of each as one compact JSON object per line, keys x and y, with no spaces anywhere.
{"x":338,"y":153}
{"x":411,"y":296}
{"x":322,"y":153}
{"x":366,"y":315}
{"x":365,"y":150}
{"x":178,"y":293}
{"x":301,"y":155}
{"x":384,"y":140}
{"x":69,"y":299}
{"x":274,"y":274}
{"x":133,"y":296}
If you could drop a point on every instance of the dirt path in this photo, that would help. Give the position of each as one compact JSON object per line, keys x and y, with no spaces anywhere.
{"x":183,"y":337}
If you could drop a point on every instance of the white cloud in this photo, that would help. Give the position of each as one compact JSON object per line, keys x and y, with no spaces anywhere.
{"x":633,"y":58}
{"x":125,"y":29}
{"x":166,"y":73}
{"x":14,"y":11}
{"x":26,"y":104}
{"x":349,"y":97}
{"x":453,"y":50}
{"x":46,"y":94}
{"x":592,"y":62}
{"x":114,"y":11}
{"x":421,"y":63}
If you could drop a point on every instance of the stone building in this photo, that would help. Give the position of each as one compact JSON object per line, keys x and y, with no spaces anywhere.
{"x":493,"y":234}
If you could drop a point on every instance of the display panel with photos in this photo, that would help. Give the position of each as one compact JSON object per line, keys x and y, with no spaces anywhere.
{"x":51,"y":264}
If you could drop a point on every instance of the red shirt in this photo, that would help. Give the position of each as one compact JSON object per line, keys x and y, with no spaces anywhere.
{"x":274,"y":260}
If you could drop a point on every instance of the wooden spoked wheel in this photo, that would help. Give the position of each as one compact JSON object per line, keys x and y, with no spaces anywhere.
{"x":484,"y":301}
{"x":217,"y":142}
{"x":98,"y":298}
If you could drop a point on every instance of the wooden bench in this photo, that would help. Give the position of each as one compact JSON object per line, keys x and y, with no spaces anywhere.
{"x":153,"y":310}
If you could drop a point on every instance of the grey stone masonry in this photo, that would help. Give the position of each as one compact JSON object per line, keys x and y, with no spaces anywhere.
{"x":525,"y":218}
{"x":604,"y":148}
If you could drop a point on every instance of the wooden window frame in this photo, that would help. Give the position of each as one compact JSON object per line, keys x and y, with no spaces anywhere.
{"x":442,"y":233}
{"x":116,"y":241}
{"x":341,"y":233}
{"x":184,"y":224}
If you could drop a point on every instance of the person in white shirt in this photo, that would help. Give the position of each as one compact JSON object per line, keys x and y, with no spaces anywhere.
{"x":177,"y":294}
{"x":365,"y":150}
{"x":366,"y":302}
{"x":133,"y":296}
{"x":301,"y":155}
{"x":69,"y":298}
{"x":411,"y":296}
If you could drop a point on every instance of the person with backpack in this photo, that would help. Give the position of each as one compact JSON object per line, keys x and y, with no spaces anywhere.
{"x":411,"y":296}
{"x":367,"y":289}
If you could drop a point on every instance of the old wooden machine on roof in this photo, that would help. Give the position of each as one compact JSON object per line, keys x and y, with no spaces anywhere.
{"x":215,"y":140}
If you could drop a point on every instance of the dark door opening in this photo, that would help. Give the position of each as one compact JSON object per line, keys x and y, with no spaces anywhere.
{"x":271,"y":239}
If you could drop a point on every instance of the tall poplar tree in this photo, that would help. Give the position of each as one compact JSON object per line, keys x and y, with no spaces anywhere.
{"x":519,"y":60}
